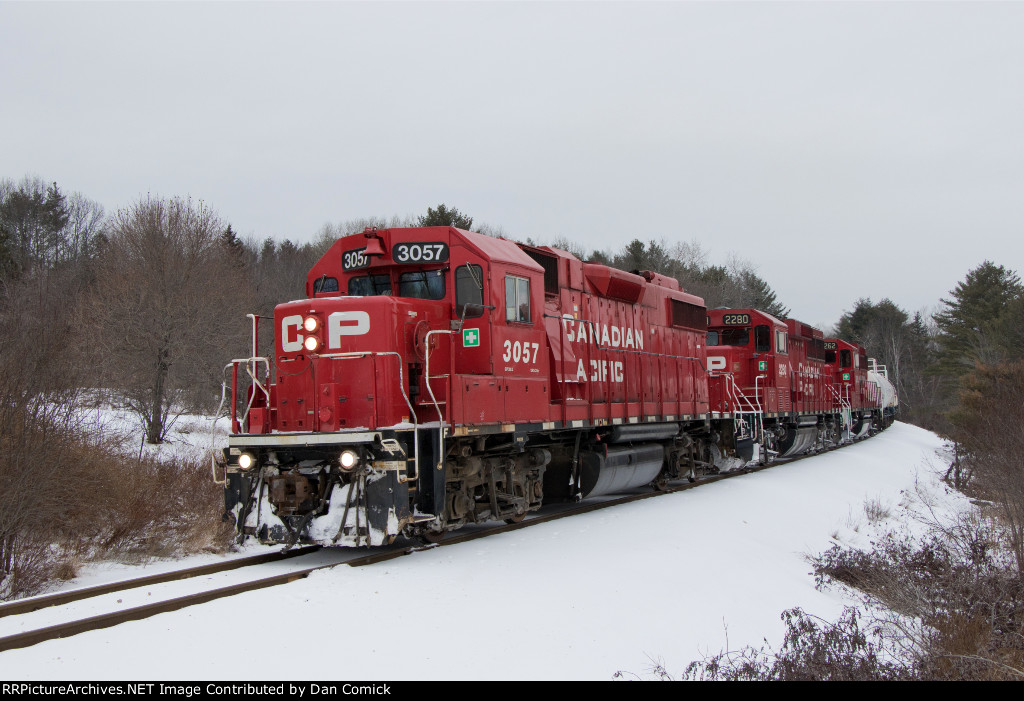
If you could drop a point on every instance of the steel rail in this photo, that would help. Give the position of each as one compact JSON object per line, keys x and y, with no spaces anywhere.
{"x":40,"y":602}
{"x":108,"y":620}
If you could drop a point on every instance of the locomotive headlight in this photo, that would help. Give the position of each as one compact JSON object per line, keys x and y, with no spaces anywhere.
{"x":348,"y":459}
{"x":311,"y":343}
{"x":246,"y":460}
{"x":311,"y":324}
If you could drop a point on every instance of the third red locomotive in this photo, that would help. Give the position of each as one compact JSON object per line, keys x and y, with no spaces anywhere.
{"x":435,"y":377}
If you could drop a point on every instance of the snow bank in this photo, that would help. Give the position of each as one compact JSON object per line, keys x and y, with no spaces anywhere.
{"x":664,"y":580}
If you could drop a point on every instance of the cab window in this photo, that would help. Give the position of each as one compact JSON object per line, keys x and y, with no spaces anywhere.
{"x":845,"y":358}
{"x":325,"y":284}
{"x":369,"y":285}
{"x":729,"y":337}
{"x":422,"y":284}
{"x":517,"y":299}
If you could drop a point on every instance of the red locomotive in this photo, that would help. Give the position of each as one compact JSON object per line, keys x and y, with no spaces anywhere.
{"x":436,"y":377}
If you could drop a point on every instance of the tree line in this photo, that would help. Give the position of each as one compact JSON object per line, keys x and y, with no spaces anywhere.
{"x":151,"y":300}
{"x":928,"y":357}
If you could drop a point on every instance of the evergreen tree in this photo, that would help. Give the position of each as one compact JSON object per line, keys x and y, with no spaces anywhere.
{"x":633,"y":256}
{"x":653,"y":255}
{"x":443,"y":216}
{"x":33,"y":218}
{"x":229,"y":239}
{"x":760,"y":295}
{"x":978,"y":320}
{"x":898,"y":342}
{"x":6,"y":254}
{"x":234,"y":248}
{"x":871,"y":325}
{"x":1010,"y":330}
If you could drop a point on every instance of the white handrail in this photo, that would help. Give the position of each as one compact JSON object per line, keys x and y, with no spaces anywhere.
{"x":430,"y":390}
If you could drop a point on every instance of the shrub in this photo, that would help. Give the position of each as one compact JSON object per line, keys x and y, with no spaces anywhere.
{"x":67,"y":498}
{"x":948,"y":608}
{"x":812,"y":650}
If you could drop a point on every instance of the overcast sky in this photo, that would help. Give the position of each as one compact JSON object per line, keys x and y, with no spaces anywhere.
{"x":847,"y":149}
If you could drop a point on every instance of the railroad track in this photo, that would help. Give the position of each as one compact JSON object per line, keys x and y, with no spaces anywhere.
{"x":339,"y":557}
{"x":26,"y":607}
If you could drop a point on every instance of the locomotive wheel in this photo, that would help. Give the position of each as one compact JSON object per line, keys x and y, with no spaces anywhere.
{"x":518,"y":518}
{"x":432,"y":537}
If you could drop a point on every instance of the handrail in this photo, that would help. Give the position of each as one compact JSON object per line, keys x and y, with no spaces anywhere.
{"x":252,"y":361}
{"x":430,"y":390}
{"x":760,"y":411}
{"x":742,"y":403}
{"x":234,"y":403}
{"x":845,"y":407}
{"x":736,"y":394}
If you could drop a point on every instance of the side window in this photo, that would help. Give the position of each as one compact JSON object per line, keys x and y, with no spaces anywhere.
{"x":845,"y":358}
{"x":712,"y":339}
{"x":325,"y":284}
{"x":762,"y":339}
{"x":469,"y":289}
{"x":781,"y":338}
{"x":517,"y":299}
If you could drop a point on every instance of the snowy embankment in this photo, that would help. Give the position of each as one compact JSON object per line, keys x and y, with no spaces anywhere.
{"x":99,"y":413}
{"x":662,"y":580}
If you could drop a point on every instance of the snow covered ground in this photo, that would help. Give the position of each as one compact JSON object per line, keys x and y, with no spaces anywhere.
{"x":663,"y":580}
{"x":102,"y":413}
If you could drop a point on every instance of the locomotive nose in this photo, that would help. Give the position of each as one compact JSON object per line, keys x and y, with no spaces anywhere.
{"x":323,"y":328}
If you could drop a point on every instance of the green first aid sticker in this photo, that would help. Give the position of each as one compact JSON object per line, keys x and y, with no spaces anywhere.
{"x":846,"y":376}
{"x":762,"y":365}
{"x":470,"y":338}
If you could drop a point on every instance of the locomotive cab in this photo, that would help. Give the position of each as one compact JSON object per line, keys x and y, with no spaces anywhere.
{"x":854,"y":396}
{"x":752,"y":348}
{"x":404,"y":333}
{"x":770,"y":377}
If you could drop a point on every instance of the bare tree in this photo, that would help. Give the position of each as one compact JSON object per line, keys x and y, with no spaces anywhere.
{"x":84,"y":230}
{"x":167,"y":307}
{"x":571,"y":246}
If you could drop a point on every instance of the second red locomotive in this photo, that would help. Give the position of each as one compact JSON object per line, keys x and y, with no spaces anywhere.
{"x":435,"y":377}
